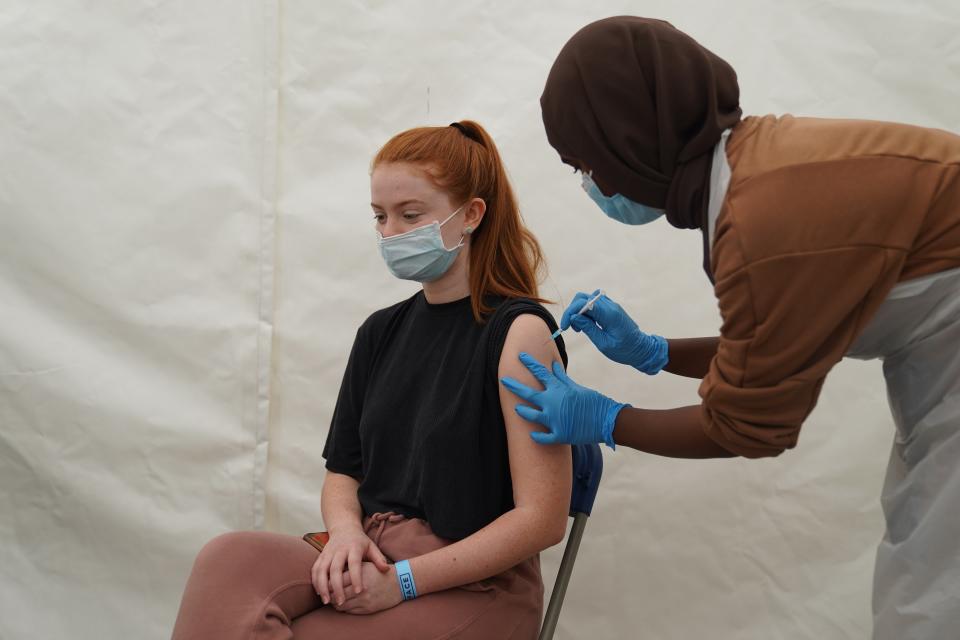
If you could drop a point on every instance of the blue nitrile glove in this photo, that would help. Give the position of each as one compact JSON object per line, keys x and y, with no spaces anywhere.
{"x":572,"y":413}
{"x":615,"y":334}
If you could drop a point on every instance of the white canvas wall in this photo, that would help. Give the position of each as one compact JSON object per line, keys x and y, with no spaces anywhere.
{"x":186,"y":252}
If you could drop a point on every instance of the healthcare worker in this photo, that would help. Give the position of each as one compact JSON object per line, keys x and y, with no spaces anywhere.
{"x":823,"y":238}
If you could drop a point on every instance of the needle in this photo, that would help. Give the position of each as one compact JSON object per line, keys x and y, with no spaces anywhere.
{"x":586,"y":307}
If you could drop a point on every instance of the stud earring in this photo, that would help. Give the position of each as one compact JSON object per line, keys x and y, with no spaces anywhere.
{"x":468,"y":230}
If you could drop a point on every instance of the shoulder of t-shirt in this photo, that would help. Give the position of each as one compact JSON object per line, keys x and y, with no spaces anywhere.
{"x":509,"y":309}
{"x":380,"y":319}
{"x":513,"y":307}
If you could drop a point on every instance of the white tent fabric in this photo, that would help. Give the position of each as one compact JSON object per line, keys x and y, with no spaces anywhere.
{"x":186,"y":252}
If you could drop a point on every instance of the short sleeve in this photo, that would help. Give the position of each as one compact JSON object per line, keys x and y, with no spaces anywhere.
{"x":342,"y":449}
{"x":502,"y":320}
{"x":787,"y":320}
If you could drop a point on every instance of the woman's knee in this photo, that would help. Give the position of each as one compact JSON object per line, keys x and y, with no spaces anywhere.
{"x":234,"y":551}
{"x":250,"y":566}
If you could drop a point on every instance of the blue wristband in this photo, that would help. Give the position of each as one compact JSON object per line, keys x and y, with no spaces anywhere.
{"x":405,"y":577}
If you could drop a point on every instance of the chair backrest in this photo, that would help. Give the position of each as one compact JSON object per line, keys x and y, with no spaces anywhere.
{"x":587,"y":470}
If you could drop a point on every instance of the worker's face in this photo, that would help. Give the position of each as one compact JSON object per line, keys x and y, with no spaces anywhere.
{"x":403,"y":198}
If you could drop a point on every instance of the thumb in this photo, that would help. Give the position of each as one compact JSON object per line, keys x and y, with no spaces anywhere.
{"x":589,"y":327}
{"x":544,"y":438}
{"x":572,"y":308}
{"x":560,"y":372}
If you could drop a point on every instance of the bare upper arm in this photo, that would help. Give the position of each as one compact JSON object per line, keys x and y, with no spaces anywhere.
{"x":541,"y":473}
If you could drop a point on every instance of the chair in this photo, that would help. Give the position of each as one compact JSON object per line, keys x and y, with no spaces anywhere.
{"x":587,"y":469}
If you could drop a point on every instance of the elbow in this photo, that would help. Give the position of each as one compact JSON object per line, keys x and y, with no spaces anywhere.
{"x":544,"y":528}
{"x":555,"y":530}
{"x":749,"y":438}
{"x":558,"y":536}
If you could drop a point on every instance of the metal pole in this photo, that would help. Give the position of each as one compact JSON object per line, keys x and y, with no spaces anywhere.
{"x":563,"y":577}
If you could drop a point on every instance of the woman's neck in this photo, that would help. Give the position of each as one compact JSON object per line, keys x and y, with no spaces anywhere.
{"x":454,"y":285}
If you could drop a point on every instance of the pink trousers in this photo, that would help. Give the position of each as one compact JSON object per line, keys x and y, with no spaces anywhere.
{"x":255,"y":585}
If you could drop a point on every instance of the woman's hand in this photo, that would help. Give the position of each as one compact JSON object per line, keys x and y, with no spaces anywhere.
{"x":382,"y":591}
{"x":345,"y":552}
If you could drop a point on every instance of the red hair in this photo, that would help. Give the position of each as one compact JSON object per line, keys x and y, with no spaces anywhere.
{"x":505,"y":257}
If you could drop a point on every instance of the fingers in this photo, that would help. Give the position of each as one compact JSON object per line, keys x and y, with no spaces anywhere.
{"x":589,"y":327}
{"x":540,"y":372}
{"x":606,"y":311}
{"x":355,"y":566}
{"x":575,"y":305}
{"x":336,"y":578}
{"x":559,"y":372}
{"x":376,"y":556}
{"x":315,"y":575}
{"x":545,"y":438}
{"x":349,"y":590}
{"x":582,"y":323}
{"x":589,"y":304}
{"x":353,"y":606}
{"x":321,"y":579}
{"x":591,"y":300}
{"x":352,"y":601}
{"x":531,"y":414}
{"x":521,"y":390}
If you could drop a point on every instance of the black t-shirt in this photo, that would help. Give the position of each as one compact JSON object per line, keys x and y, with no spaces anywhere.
{"x":418,"y":420}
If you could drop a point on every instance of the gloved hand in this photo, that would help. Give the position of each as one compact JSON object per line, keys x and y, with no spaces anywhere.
{"x":573,"y":414}
{"x":615,"y":334}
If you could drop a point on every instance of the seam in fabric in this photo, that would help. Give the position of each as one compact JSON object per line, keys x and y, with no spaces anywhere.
{"x":268,"y":599}
{"x":872,"y":156}
{"x":753,"y":312}
{"x":266,"y":255}
{"x":940,"y":190}
{"x":846,"y":247}
{"x":466,"y":623}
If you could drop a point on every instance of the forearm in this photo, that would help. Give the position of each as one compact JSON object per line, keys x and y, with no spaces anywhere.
{"x":690,"y":357}
{"x":674,"y":433}
{"x":339,"y":503}
{"x":502,"y":544}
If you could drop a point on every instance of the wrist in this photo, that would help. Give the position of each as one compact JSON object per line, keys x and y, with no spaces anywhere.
{"x":652,"y":354}
{"x":404,"y":575}
{"x":610,"y":421}
{"x":340,"y":528}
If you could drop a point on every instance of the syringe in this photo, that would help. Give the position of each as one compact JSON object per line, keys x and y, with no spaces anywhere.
{"x":585,"y":307}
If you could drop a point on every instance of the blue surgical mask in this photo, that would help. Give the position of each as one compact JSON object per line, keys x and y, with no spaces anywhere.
{"x":419,"y":254}
{"x":618,"y":207}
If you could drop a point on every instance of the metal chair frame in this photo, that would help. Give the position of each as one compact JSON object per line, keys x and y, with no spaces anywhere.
{"x":587,"y":470}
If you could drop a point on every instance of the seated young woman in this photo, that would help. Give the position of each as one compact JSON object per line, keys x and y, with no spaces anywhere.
{"x":436,"y":499}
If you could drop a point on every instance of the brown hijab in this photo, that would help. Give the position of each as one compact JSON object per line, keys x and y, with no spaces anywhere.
{"x":642,"y":105}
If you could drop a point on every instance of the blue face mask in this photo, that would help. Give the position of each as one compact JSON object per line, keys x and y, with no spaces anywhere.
{"x":618,"y":207}
{"x":419,"y":254}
